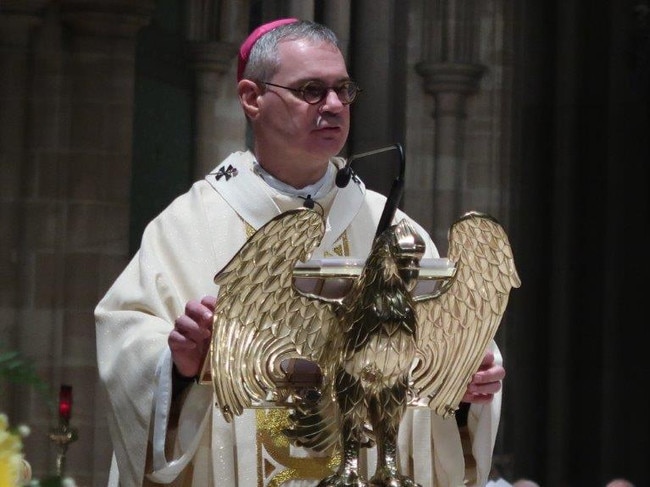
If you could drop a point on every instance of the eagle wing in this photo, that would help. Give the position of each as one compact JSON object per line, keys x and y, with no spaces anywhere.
{"x":456,"y":326}
{"x":260,"y":318}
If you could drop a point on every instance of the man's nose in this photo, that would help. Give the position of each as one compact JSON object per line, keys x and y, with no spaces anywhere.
{"x":332,"y":102}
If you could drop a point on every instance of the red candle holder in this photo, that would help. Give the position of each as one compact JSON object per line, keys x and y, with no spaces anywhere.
{"x":63,"y":434}
{"x":65,"y":402}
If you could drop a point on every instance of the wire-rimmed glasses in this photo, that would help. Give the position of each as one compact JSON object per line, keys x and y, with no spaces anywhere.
{"x":314,"y":92}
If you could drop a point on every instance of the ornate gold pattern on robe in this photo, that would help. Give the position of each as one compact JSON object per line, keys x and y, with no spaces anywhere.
{"x":271,"y":441}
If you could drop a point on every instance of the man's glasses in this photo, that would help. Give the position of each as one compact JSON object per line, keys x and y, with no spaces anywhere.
{"x":314,"y":92}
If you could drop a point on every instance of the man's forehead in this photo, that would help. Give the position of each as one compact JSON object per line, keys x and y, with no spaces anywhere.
{"x":309,"y":56}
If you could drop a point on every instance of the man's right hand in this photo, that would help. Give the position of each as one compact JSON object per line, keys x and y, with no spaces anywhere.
{"x":189,"y":341}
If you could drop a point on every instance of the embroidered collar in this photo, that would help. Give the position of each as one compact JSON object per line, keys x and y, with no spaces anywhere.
{"x":226,"y":172}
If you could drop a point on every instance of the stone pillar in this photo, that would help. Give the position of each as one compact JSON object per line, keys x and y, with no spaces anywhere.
{"x":451,"y":74}
{"x":379,"y":66}
{"x":450,"y":84}
{"x":301,"y":9}
{"x":336,"y":16}
{"x":89,"y":204}
{"x":217,"y":131}
{"x":18,"y":19}
{"x":18,"y":22}
{"x":214,"y":33}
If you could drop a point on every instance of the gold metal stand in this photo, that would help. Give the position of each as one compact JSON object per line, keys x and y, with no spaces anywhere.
{"x":62,"y":436}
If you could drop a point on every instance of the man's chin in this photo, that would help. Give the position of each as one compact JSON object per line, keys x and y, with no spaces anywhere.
{"x":329,"y":145}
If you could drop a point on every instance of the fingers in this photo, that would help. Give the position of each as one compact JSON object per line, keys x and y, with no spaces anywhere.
{"x":490,"y":374}
{"x":477,"y":398}
{"x":199,"y":312}
{"x":488,"y":360}
{"x":481,"y":393}
{"x":486,"y":382}
{"x":209,"y":302}
{"x":481,"y":385}
{"x":190,"y":338}
{"x":191,"y":328}
{"x":187,"y":334}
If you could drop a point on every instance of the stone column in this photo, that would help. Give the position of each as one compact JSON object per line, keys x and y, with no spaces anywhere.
{"x":301,"y":9}
{"x":218,"y":132}
{"x":451,"y":74}
{"x":214,"y":33}
{"x":336,"y":16}
{"x":18,"y":19}
{"x":379,"y":66}
{"x":450,"y":84}
{"x":18,"y":22}
{"x":82,"y":183}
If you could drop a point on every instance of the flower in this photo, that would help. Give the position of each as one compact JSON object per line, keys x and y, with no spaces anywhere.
{"x":14,"y":470}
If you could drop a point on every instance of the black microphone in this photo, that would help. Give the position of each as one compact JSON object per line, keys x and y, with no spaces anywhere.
{"x":309,"y":202}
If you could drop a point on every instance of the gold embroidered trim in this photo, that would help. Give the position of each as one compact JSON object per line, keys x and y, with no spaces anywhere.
{"x":271,"y":440}
{"x":249,"y":228}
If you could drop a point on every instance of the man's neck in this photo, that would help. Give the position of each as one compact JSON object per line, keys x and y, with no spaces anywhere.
{"x":314,"y":190}
{"x":295,"y":173}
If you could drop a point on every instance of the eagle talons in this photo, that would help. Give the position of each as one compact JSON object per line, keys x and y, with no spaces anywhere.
{"x":349,"y":478}
{"x":388,"y":478}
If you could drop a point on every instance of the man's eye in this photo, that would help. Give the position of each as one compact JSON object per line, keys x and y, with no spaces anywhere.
{"x":313,"y":91}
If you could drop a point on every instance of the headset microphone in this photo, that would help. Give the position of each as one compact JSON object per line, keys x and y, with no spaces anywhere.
{"x":309,"y":202}
{"x":344,"y":175}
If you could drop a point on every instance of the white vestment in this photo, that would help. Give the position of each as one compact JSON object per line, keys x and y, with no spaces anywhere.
{"x":182,"y":249}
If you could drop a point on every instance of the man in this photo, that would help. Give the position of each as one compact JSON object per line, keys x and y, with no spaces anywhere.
{"x":154,"y":324}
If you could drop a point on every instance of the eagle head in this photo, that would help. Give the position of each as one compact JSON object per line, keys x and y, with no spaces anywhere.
{"x":407,"y":247}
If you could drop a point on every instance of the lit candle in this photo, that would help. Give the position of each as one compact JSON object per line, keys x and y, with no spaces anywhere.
{"x":65,"y":402}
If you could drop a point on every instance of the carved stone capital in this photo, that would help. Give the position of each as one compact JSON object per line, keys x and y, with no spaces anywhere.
{"x":213,"y":56}
{"x":450,"y":77}
{"x":110,"y":18}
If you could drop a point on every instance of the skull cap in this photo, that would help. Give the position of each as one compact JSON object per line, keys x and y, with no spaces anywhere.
{"x":247,"y":45}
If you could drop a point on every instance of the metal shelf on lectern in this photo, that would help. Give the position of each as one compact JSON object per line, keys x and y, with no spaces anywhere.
{"x":344,"y":267}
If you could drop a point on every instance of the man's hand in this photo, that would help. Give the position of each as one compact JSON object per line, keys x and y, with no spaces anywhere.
{"x":486,"y":382}
{"x":189,"y":341}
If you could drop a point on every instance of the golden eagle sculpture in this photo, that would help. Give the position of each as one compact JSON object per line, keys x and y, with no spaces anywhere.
{"x":380,"y":348}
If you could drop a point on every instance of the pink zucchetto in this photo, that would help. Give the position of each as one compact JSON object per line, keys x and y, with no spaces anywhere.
{"x":247,"y":45}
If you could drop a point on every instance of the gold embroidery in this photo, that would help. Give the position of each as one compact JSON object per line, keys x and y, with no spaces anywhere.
{"x":341,"y":247}
{"x":272,"y":442}
{"x":249,"y":229}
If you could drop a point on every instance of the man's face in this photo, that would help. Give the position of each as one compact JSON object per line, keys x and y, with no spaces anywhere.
{"x":291,"y":126}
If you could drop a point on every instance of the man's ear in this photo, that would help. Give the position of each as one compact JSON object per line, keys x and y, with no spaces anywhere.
{"x":248,"y":92}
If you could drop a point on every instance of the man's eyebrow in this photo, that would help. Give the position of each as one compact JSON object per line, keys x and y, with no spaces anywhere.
{"x":302,"y":81}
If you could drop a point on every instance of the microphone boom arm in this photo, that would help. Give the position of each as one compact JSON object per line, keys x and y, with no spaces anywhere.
{"x":394,"y":196}
{"x":397,"y":189}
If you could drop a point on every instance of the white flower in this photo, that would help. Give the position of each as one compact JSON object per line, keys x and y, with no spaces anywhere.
{"x":23,"y":430}
{"x":11,"y":454}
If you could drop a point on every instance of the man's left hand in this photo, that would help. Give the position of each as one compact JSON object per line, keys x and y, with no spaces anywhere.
{"x":486,"y":382}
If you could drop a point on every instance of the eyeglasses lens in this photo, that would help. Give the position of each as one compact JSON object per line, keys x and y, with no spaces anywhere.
{"x":316,"y":92}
